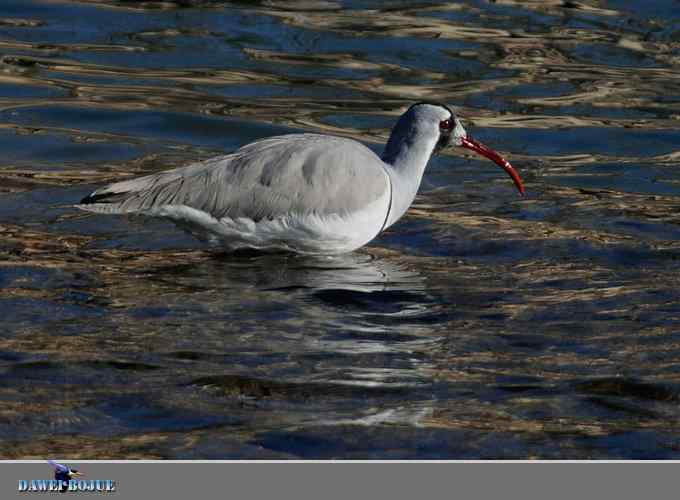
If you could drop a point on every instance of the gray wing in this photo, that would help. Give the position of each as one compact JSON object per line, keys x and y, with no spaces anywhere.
{"x":299,"y":173}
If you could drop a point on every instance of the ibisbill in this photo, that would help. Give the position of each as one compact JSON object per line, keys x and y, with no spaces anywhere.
{"x":305,"y":193}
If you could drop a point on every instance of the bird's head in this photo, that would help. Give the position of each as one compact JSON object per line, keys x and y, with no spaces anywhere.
{"x":74,"y":472}
{"x":439,"y":120}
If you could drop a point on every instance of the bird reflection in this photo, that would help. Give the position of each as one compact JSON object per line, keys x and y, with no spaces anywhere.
{"x":361,"y":273}
{"x":355,"y":272}
{"x":351,"y":304}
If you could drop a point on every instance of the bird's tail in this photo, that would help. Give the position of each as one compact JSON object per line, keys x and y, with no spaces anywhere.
{"x":143,"y":193}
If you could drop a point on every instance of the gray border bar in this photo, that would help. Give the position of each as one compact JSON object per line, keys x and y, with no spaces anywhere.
{"x":351,"y":480}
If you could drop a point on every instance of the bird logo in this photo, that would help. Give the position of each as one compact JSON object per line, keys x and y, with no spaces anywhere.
{"x":63,"y":473}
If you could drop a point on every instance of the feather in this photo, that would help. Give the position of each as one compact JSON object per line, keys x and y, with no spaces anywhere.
{"x":295,"y":174}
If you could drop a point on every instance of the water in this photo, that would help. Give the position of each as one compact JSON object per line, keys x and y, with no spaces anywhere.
{"x":483,"y":325}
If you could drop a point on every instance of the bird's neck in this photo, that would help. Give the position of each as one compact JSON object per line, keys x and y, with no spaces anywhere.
{"x":406,"y":155}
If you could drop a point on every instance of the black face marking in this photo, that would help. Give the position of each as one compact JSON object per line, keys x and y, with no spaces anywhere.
{"x":444,"y":129}
{"x":444,"y":141}
{"x":446,"y":126}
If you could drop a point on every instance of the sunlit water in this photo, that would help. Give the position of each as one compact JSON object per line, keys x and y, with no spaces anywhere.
{"x":483,"y":325}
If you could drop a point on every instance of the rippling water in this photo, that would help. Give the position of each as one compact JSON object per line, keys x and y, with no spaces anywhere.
{"x":480,"y":326}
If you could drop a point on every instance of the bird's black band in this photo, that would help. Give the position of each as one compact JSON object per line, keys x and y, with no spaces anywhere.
{"x":389,"y":206}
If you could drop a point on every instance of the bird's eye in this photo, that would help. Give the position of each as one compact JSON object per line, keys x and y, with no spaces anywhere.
{"x":446,"y":125}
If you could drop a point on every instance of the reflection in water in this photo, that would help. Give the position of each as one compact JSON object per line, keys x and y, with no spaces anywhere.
{"x":359,"y":273}
{"x":370,"y":303}
{"x":481,"y":326}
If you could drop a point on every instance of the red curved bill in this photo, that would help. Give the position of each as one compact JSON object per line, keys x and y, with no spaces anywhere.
{"x":478,"y":147}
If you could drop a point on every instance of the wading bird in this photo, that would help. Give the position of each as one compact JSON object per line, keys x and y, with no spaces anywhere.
{"x":307,"y":193}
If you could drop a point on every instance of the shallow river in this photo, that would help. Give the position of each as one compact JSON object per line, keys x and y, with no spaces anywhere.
{"x":483,"y":325}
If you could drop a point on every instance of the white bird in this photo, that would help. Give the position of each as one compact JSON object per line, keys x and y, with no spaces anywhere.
{"x":307,"y":193}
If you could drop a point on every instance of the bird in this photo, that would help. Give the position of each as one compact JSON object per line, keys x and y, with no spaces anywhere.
{"x":305,"y":193}
{"x":63,"y":473}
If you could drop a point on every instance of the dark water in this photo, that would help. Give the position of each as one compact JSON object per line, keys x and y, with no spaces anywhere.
{"x":480,"y":326}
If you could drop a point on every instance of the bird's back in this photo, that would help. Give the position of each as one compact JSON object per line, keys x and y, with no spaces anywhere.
{"x":270,"y":178}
